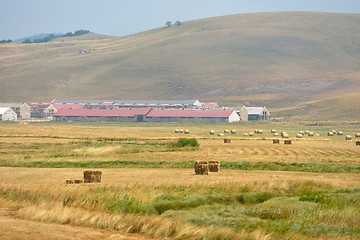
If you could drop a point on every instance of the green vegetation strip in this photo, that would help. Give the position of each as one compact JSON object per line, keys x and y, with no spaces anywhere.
{"x":273,"y":166}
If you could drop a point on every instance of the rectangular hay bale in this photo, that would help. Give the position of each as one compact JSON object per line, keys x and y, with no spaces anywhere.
{"x":92,"y":176}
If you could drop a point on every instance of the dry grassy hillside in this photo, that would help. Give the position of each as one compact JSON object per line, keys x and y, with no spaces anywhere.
{"x":299,"y":64}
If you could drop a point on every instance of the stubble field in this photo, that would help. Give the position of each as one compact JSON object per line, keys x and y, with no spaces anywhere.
{"x":309,"y":189}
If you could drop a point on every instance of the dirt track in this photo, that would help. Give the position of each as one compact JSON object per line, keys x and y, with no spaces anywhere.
{"x":12,"y":228}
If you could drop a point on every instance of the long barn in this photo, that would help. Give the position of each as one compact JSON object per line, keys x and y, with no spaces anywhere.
{"x":146,"y":115}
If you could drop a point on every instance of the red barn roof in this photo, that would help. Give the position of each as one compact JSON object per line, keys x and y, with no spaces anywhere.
{"x":101,"y":112}
{"x":190,"y":113}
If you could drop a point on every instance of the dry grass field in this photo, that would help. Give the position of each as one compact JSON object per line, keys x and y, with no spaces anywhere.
{"x":307,"y":190}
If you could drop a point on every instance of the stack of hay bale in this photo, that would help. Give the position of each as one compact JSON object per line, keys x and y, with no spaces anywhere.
{"x":92,"y":176}
{"x":201,"y":168}
{"x":214,"y":166}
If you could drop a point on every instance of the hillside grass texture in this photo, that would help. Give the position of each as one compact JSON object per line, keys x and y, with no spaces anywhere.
{"x":301,"y":65}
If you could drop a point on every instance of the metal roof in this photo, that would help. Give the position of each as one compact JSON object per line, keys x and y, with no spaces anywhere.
{"x":67,"y":105}
{"x":129,"y":102}
{"x":79,"y":112}
{"x":190,"y":113}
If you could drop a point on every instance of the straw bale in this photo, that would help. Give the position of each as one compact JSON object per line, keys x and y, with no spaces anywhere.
{"x":187,"y":131}
{"x":212,"y":132}
{"x":330,"y":133}
{"x":251,"y":134}
{"x":92,"y":176}
{"x":233,"y":131}
{"x":226,"y":131}
{"x":176,"y":130}
{"x":340,"y":133}
{"x":348,"y":137}
{"x":357,"y":135}
{"x":299,"y":135}
{"x":214,"y":166}
{"x":311,"y":134}
{"x":181,"y":130}
{"x":226,"y":140}
{"x":201,"y":168}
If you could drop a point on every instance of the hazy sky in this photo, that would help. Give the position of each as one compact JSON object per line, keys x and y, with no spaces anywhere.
{"x":21,"y":18}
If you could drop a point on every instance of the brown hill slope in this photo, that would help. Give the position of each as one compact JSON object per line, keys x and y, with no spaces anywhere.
{"x":293,"y":62}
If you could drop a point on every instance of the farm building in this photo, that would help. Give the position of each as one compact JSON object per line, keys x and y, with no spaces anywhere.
{"x":254,"y":113}
{"x":21,"y":109}
{"x":190,"y":115}
{"x":121,"y":103}
{"x":54,"y":107}
{"x":37,"y":109}
{"x":103,"y":115}
{"x":7,"y":114}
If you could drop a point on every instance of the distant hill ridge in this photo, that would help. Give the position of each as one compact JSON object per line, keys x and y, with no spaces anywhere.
{"x":301,"y":64}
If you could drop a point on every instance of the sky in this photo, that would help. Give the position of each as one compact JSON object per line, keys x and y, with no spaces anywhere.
{"x":22,"y":18}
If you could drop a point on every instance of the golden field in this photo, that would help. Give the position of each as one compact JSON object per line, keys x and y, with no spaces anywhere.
{"x":307,"y":190}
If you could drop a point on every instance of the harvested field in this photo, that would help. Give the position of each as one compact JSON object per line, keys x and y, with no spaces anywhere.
{"x":149,"y":188}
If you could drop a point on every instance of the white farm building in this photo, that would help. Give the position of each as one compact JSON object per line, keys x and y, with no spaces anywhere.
{"x":7,"y":114}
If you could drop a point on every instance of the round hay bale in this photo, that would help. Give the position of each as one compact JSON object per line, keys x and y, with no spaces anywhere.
{"x":220,"y":134}
{"x":176,"y":130}
{"x":334,"y":131}
{"x":340,"y":133}
{"x":348,"y":137}
{"x":181,"y":130}
{"x":306,"y":132}
{"x":212,"y":132}
{"x":187,"y":131}
{"x":285,"y":135}
{"x":317,"y":135}
{"x":302,"y":132}
{"x":226,"y":131}
{"x":311,"y":134}
{"x":299,"y":135}
{"x":233,"y":131}
{"x":251,"y":134}
{"x":357,"y":135}
{"x":273,"y":131}
{"x":260,"y":131}
{"x":276,"y":134}
{"x":330,"y":133}
{"x":246,"y":134}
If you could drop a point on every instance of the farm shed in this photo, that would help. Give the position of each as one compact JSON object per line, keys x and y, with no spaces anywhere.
{"x":101,"y":115}
{"x":54,"y":107}
{"x":7,"y":114}
{"x":21,"y":109}
{"x":122,"y":103}
{"x":187,"y":115}
{"x":254,"y":113}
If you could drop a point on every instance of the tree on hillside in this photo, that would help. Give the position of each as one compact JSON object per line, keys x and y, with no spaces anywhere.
{"x":177,"y":23}
{"x":168,"y":23}
{"x":27,"y":41}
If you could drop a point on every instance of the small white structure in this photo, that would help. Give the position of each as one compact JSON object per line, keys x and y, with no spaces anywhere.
{"x":7,"y":114}
{"x":254,"y":113}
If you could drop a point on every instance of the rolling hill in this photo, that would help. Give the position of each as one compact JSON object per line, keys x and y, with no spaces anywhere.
{"x":301,"y":65}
